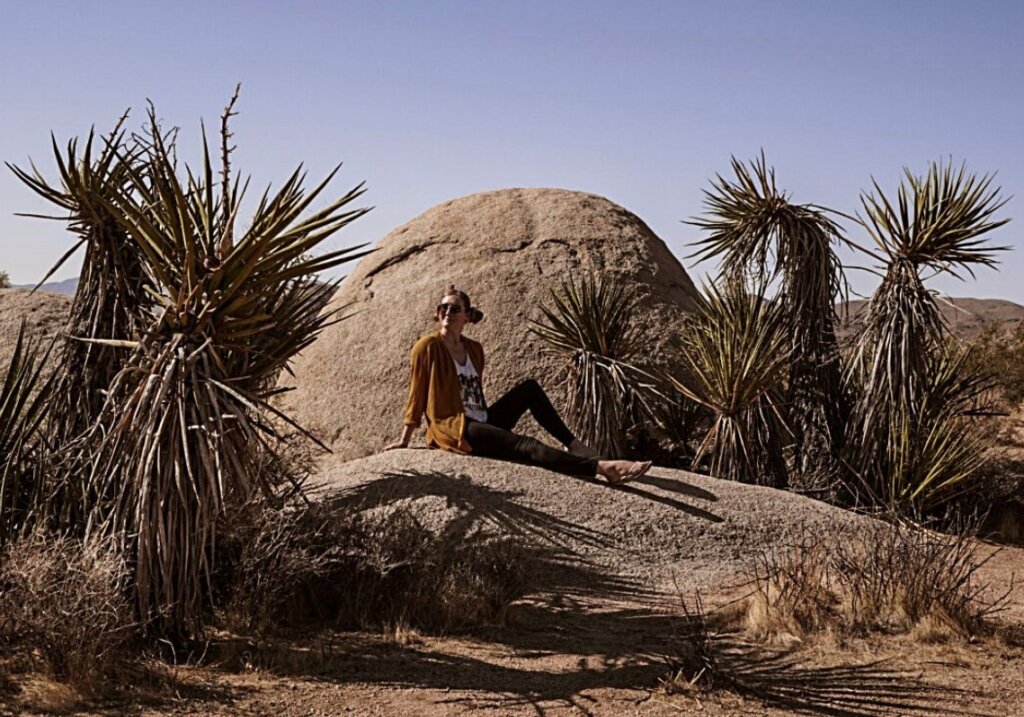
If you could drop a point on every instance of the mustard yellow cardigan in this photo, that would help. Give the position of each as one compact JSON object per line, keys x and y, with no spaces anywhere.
{"x":434,"y":390}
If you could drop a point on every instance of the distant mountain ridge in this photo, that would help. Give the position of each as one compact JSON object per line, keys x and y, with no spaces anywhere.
{"x":68,"y":286}
{"x":966,"y":317}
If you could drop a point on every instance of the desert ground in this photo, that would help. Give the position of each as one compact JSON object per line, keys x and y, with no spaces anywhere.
{"x":592,"y":635}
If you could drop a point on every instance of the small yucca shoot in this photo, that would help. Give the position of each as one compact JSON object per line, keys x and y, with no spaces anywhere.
{"x":591,"y":324}
{"x":735,"y":355}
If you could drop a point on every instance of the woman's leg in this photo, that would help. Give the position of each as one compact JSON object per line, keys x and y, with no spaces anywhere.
{"x":528,"y":395}
{"x":491,"y":441}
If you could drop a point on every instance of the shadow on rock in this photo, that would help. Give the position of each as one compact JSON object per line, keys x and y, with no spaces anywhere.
{"x":550,"y":542}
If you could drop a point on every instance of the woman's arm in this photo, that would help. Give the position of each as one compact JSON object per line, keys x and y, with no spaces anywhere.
{"x":419,"y":387}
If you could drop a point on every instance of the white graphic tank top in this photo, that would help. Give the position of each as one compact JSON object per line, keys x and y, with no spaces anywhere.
{"x":473,"y":404}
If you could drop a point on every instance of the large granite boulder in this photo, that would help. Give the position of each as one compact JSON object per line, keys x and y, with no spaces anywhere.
{"x":507,"y":249}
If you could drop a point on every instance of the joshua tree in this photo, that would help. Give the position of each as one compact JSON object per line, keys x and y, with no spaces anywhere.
{"x":219,"y":314}
{"x":760,"y":236}
{"x":909,"y":444}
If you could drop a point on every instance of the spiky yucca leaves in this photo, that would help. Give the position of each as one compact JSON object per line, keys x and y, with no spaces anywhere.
{"x":933,"y":448}
{"x":593,"y":325}
{"x":735,"y":354}
{"x":178,"y":433}
{"x":26,"y":392}
{"x":899,"y":365}
{"x":760,"y":235}
{"x":106,"y":304}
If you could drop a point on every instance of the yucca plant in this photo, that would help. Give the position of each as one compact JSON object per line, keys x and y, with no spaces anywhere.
{"x":106,"y":305}
{"x":760,"y":236}
{"x":592,"y":325}
{"x":26,"y":391}
{"x":905,"y":381}
{"x":176,"y":437}
{"x":735,"y":356}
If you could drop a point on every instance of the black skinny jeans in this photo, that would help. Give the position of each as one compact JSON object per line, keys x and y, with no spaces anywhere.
{"x":495,"y":439}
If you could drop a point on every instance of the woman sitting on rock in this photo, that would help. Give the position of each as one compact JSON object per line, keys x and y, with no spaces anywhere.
{"x":446,"y":385}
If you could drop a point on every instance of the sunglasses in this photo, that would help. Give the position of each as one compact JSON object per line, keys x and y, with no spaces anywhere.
{"x":449,"y":308}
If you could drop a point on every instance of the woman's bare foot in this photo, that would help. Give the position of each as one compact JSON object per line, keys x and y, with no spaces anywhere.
{"x":581,"y":450}
{"x":619,"y":472}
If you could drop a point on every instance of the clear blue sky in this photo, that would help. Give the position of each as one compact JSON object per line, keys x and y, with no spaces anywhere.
{"x":641,"y":102}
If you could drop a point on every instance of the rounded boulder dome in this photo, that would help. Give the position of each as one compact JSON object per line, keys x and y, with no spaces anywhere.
{"x":507,"y":250}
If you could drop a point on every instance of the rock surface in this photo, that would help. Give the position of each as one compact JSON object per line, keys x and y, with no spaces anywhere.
{"x":669,"y":525}
{"x":44,"y":314}
{"x":507,"y":249}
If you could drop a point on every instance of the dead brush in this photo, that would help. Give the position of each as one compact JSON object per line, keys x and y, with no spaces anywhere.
{"x":793,"y":593}
{"x":65,"y":602}
{"x":897,"y":575}
{"x":885,"y":576}
{"x":693,"y":663}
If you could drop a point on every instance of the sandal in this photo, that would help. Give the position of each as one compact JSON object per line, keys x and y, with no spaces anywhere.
{"x":635,"y":471}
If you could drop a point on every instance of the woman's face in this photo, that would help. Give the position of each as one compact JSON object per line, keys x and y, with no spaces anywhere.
{"x":451,"y":312}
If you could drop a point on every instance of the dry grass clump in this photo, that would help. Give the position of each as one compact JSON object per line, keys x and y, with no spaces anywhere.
{"x":64,"y":603}
{"x":890,"y":577}
{"x":329,"y":564}
{"x":710,"y":656}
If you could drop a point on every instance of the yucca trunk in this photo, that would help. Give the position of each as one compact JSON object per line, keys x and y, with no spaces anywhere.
{"x":180,"y":445}
{"x":818,"y":406}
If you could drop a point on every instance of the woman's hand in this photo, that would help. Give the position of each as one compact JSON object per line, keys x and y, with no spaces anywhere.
{"x":402,"y":442}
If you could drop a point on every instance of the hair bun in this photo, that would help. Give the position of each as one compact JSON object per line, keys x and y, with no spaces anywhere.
{"x":475,"y":316}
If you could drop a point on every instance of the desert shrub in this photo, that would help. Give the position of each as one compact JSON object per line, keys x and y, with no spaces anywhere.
{"x":65,"y":602}
{"x":327,"y":564}
{"x":5,"y":280}
{"x":1000,"y":354}
{"x":669,"y":439}
{"x":886,"y":576}
{"x":25,"y":393}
